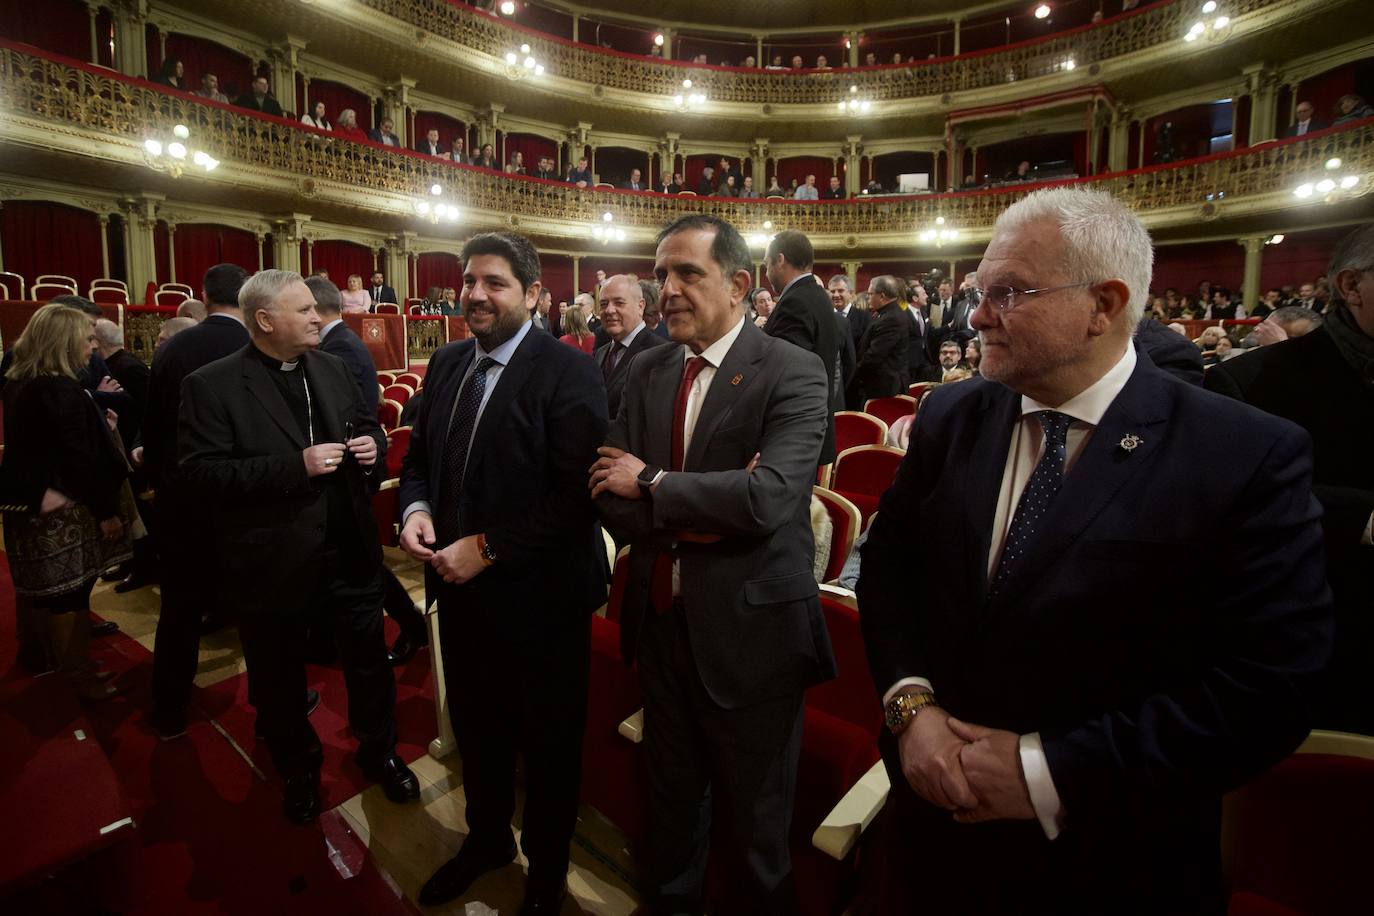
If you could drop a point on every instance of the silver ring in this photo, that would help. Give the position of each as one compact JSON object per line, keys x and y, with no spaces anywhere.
{"x":328,"y":462}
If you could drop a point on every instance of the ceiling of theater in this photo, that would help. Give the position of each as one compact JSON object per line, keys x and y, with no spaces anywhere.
{"x":782,"y":14}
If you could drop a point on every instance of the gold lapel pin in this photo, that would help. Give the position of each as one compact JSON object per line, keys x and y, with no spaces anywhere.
{"x":1130,"y":442}
{"x":737,"y":379}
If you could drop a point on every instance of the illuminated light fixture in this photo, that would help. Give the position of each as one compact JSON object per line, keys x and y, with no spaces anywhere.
{"x":658,"y":40}
{"x":422,"y":207}
{"x":507,"y":7}
{"x":1222,"y":22}
{"x":177,"y":150}
{"x":171,"y":156}
{"x":522,"y":63}
{"x":939,"y":220}
{"x":854,"y":104}
{"x":606,"y":231}
{"x":153,"y":147}
{"x":1209,"y":7}
{"x":436,"y":189}
{"x":688,"y":99}
{"x":510,"y":58}
{"x":1212,"y":28}
{"x":181,"y":132}
{"x":1333,"y":163}
{"x":1070,"y":64}
{"x":1349,"y":181}
{"x":1274,"y":239}
{"x":1042,"y":11}
{"x":1326,"y":186}
{"x":768,"y":224}
{"x":1303,"y":190}
{"x":939,"y":235}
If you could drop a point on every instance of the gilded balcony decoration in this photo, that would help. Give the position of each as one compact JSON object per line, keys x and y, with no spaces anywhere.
{"x":79,"y":96}
{"x":423,"y":337}
{"x":141,"y":328}
{"x":1152,"y":28}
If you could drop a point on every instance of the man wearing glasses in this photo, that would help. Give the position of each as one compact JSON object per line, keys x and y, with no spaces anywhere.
{"x":1064,"y":701}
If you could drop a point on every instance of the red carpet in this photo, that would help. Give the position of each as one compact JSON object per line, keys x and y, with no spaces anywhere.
{"x":210,"y":837}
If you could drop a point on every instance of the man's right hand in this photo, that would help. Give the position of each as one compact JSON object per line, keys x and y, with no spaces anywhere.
{"x":929,"y":752}
{"x":1269,"y":332}
{"x":417,"y":534}
{"x":54,"y":500}
{"x":324,"y":458}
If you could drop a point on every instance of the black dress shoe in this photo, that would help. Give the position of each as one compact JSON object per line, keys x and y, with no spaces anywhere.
{"x":115,"y":573}
{"x":404,"y":649}
{"x":396,"y":779}
{"x":104,"y":628}
{"x":312,"y":702}
{"x":301,"y":801}
{"x":543,"y":898}
{"x":132,"y":582}
{"x":456,"y":875}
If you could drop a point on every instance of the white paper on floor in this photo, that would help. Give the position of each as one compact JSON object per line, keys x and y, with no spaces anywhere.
{"x":478,"y":908}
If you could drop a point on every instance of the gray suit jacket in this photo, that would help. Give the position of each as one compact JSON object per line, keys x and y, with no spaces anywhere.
{"x":751,"y":602}
{"x":615,"y":385}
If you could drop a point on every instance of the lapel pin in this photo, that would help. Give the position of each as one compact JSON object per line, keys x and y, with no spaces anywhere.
{"x":1130,"y":442}
{"x":737,"y":379}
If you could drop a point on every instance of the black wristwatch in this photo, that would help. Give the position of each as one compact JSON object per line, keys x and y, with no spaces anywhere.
{"x":648,"y":476}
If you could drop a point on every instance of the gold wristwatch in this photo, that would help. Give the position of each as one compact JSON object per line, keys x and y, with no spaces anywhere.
{"x":902,"y":708}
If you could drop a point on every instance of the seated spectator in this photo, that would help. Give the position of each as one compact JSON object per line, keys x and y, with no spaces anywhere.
{"x":580,"y":175}
{"x":748,"y":190}
{"x":1285,"y":323}
{"x":727,"y":187}
{"x":173,"y":74}
{"x":1022,"y":172}
{"x":835,"y":191}
{"x":1304,"y":123}
{"x":1179,"y":329}
{"x":1207,"y":340}
{"x":1223,"y":351}
{"x":897,"y":58}
{"x":486,"y":159}
{"x":774,"y":189}
{"x":797,"y":62}
{"x":725,"y":168}
{"x":1351,"y":107}
{"x":316,"y":118}
{"x":430,"y":145}
{"x":1173,"y":307}
{"x":1128,"y":5}
{"x":950,"y":354}
{"x":792,"y":187}
{"x":973,"y":353}
{"x":776,"y":64}
{"x":674,"y":184}
{"x":457,"y":150}
{"x":1221,"y":305}
{"x":750,"y":63}
{"x":870,"y":59}
{"x":807,"y":191}
{"x":193,"y":309}
{"x":516,"y":164}
{"x":260,"y":98}
{"x":209,"y":89}
{"x":545,"y":169}
{"x":636,"y":182}
{"x":355,"y":300}
{"x":449,"y":304}
{"x":707,"y":187}
{"x":1097,"y":17}
{"x":760,"y":302}
{"x":579,"y":335}
{"x":1273,"y":300}
{"x":433,"y":303}
{"x":1306,"y":296}
{"x":348,"y":126}
{"x":385,"y":134}
{"x":822,"y":63}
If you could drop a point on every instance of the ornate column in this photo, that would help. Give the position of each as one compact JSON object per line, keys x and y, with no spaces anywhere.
{"x":396,"y":106}
{"x":576,"y":277}
{"x":854,"y":39}
{"x":131,"y":46}
{"x":287,"y":232}
{"x":140,"y":220}
{"x":93,"y":11}
{"x":305,"y":98}
{"x":853,"y":147}
{"x":851,"y":270}
{"x":284,"y":59}
{"x":104,"y":244}
{"x":758,"y":158}
{"x":957,"y":23}
{"x":398,"y":263}
{"x":1263,"y":86}
{"x":758,"y":51}
{"x":487,"y":121}
{"x":1254,"y":255}
{"x":262,"y":251}
{"x":1119,"y":141}
{"x":172,"y":250}
{"x":577,"y":22}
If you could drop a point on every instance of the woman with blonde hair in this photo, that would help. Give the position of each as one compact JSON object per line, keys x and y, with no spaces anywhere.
{"x":579,"y":335}
{"x":63,"y":483}
{"x":355,"y":299}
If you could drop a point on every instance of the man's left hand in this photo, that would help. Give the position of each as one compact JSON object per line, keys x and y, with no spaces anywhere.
{"x":364,"y":450}
{"x":616,"y":471}
{"x":992,"y":765}
{"x":459,"y":562}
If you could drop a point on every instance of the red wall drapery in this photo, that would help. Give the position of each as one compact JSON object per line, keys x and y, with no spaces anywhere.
{"x":41,"y":237}
{"x":438,"y":268}
{"x":640,"y":267}
{"x":341,"y":258}
{"x":531,"y":147}
{"x":555,"y":272}
{"x":336,"y":98}
{"x":694,"y":166}
{"x":613,"y":165}
{"x":61,"y":26}
{"x":799,"y":167}
{"x":161,"y":253}
{"x":1323,"y":91}
{"x":200,"y":56}
{"x":448,"y":129}
{"x":200,"y":246}
{"x":1185,"y":266}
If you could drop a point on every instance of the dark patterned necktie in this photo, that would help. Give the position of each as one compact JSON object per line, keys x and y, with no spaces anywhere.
{"x":1044,"y":483}
{"x":455,"y":459}
{"x":612,"y":360}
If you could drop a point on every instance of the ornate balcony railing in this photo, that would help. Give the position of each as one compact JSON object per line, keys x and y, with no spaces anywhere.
{"x":72,"y":95}
{"x":1148,"y":29}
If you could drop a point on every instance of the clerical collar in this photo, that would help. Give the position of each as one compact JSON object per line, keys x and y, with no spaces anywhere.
{"x":272,"y":362}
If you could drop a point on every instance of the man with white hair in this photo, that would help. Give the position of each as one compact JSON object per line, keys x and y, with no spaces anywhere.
{"x":193,"y":309}
{"x":1065,"y":707}
{"x":131,"y":373}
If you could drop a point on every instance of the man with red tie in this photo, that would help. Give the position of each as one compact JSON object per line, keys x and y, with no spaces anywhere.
{"x":707,"y":474}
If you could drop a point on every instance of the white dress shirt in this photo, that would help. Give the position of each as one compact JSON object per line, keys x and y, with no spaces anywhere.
{"x":1027,"y":444}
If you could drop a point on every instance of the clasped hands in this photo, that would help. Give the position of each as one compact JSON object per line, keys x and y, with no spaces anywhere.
{"x":327,"y":457}
{"x":457,"y":563}
{"x":971,"y":770}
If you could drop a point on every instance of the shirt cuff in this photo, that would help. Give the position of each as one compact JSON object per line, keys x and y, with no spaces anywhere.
{"x":657,"y":477}
{"x":419,"y":505}
{"x":906,"y":682}
{"x":1367,"y":538}
{"x":1035,"y":766}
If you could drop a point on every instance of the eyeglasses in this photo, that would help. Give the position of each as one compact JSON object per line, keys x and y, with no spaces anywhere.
{"x":1003,"y":298}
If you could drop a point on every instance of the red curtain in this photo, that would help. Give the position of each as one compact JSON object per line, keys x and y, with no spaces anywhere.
{"x":1185,"y":266}
{"x":341,"y":258}
{"x":336,"y":98}
{"x":200,"y":247}
{"x":161,"y":251}
{"x":1323,"y":91}
{"x":200,"y":56}
{"x":799,"y":167}
{"x":1300,"y":258}
{"x":531,"y":147}
{"x":997,"y":159}
{"x":61,"y":26}
{"x":438,"y":268}
{"x":47,"y":238}
{"x":642,"y":268}
{"x":555,"y":272}
{"x":613,"y":165}
{"x":448,"y":129}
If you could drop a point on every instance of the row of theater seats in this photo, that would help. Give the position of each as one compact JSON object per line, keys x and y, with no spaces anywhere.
{"x":102,"y":291}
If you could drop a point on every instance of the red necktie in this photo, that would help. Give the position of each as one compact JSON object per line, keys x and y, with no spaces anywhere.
{"x":689,"y":375}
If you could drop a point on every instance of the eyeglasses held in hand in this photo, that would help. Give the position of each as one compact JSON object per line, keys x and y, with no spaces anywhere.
{"x":1003,"y":298}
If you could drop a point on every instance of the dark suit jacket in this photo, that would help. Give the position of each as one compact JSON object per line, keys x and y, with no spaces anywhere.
{"x":240,"y":448}
{"x":387,"y":294}
{"x":804,"y":316}
{"x":349,"y":347}
{"x":132,"y":374}
{"x":269,"y":105}
{"x":423,"y":146}
{"x":920,"y":365}
{"x":751,"y":600}
{"x":1152,"y":693}
{"x":615,"y":385}
{"x":845,"y":358}
{"x":859,"y":320}
{"x":1281,"y":379}
{"x":377,"y":136}
{"x":212,"y":339}
{"x":1169,"y":350}
{"x":1314,"y":125}
{"x":525,"y":484}
{"x":629,"y":186}
{"x":880,"y":370}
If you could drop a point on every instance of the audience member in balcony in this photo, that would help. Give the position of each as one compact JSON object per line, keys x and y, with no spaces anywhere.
{"x":870,"y":59}
{"x":1351,"y":107}
{"x":193,"y":309}
{"x":316,"y":118}
{"x":486,"y":159}
{"x":1128,"y":5}
{"x":897,"y":57}
{"x":727,"y":168}
{"x":354,"y":299}
{"x":748,"y":191}
{"x":173,"y":74}
{"x":835,"y":191}
{"x":774,"y":189}
{"x":578,"y":334}
{"x":378,"y":291}
{"x":209,"y":89}
{"x":1307,"y":297}
{"x":822,"y":63}
{"x":433,"y":302}
{"x":707,"y":187}
{"x":259,"y":98}
{"x":636,"y":182}
{"x":1273,"y":299}
{"x":1173,"y":306}
{"x":1022,"y":172}
{"x":457,"y":150}
{"x":1220,"y":304}
{"x":750,"y":63}
{"x":67,"y":505}
{"x":516,"y":166}
{"x":1321,"y":382}
{"x":760,"y":305}
{"x":880,"y":368}
{"x":797,"y":62}
{"x":1096,"y":17}
{"x":807,"y":191}
{"x":580,"y":175}
{"x":1304,"y":123}
{"x":776,"y":63}
{"x":727,"y":187}
{"x":545,"y":169}
{"x":348,"y":126}
{"x":430,"y":145}
{"x":1088,"y":773}
{"x":385,"y":134}
{"x":669,"y":184}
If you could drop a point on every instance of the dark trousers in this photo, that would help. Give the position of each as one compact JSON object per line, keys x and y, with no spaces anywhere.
{"x":185,"y":571}
{"x":527,"y":697}
{"x":274,"y":647}
{"x":400,"y":608}
{"x":699,"y":756}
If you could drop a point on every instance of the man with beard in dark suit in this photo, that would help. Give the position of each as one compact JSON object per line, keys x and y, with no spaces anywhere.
{"x":280,"y":454}
{"x":622,"y":315}
{"x":184,"y":561}
{"x":804,"y":315}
